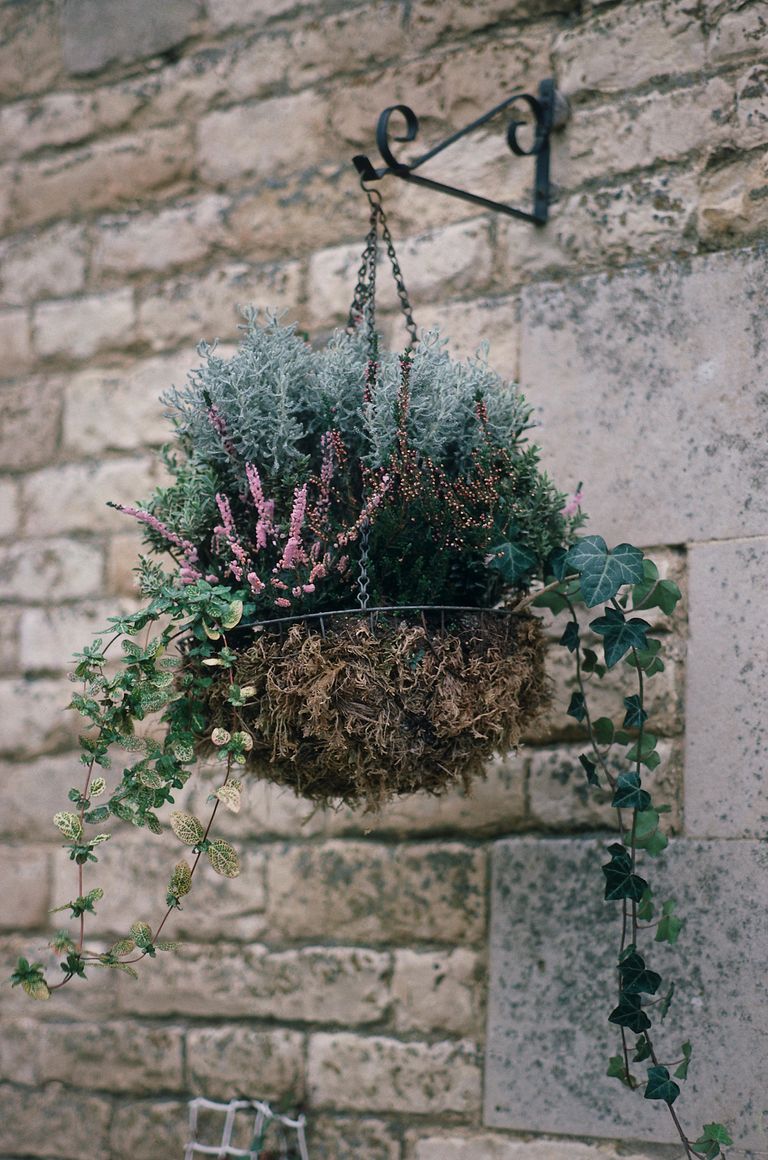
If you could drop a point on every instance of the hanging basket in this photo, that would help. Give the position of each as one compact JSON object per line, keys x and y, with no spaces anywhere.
{"x":360,"y":707}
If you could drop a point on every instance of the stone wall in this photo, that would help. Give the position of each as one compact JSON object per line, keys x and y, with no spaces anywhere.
{"x":163,"y":163}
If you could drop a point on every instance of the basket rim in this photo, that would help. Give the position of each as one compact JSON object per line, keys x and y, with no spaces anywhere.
{"x":299,"y":617}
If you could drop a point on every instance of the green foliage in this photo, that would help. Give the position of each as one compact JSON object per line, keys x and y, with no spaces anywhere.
{"x":660,"y":1086}
{"x":603,"y":572}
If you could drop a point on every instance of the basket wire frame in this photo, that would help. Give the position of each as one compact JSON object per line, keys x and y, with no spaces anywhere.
{"x":263,"y":1117}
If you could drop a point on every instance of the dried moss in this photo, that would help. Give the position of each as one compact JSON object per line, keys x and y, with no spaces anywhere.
{"x":362,"y":709}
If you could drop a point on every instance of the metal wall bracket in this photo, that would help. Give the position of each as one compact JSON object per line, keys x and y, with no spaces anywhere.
{"x":550,"y":110}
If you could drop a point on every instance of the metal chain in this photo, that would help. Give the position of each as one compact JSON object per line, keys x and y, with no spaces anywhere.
{"x":362,"y":579}
{"x":402,"y":293}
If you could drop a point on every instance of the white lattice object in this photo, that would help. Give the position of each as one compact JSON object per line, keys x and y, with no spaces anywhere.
{"x":262,"y":1117}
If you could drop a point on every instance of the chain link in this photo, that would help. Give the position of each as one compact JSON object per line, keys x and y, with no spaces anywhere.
{"x":363,"y":579}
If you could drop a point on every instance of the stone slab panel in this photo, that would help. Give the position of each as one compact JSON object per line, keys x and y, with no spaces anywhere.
{"x":48,"y":1122}
{"x":226,"y":1061}
{"x":439,"y":991}
{"x":96,"y":32}
{"x":30,"y":411}
{"x":43,"y":570}
{"x":50,"y":263}
{"x":148,"y":1129}
{"x":34,"y":716}
{"x":337,"y":1136}
{"x":25,"y":904}
{"x":457,"y":1144}
{"x":74,"y":497}
{"x":553,"y":946}
{"x":726,"y":761}
{"x":32,"y":792}
{"x":656,"y":379}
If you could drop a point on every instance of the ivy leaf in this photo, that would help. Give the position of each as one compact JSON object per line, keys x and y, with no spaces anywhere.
{"x":223,"y":859}
{"x":644,"y":751}
{"x":619,"y":634}
{"x":187,"y":828}
{"x":645,"y":910}
{"x":69,"y":824}
{"x":636,"y":714}
{"x":590,"y":664}
{"x":712,"y":1136}
{"x":648,"y":836}
{"x":681,"y":1071}
{"x":577,"y":706}
{"x":630,"y":1014}
{"x":603,"y":730}
{"x":512,"y":562}
{"x":590,"y":769}
{"x":628,"y":794}
{"x":603,"y":572}
{"x":647,"y":658}
{"x":617,"y":1070}
{"x":642,"y":1049}
{"x":620,"y":880}
{"x":660,"y":1086}
{"x":636,"y":978}
{"x":555,"y":565}
{"x":655,"y":593}
{"x":666,"y":1002}
{"x":570,"y":637}
{"x":670,"y":925}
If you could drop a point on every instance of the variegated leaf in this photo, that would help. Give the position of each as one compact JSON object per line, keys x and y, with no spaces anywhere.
{"x":187,"y":828}
{"x":233,"y":615}
{"x":220,"y":736}
{"x":123,"y":946}
{"x":229,"y":795}
{"x":244,"y":739}
{"x":150,"y":779}
{"x":181,"y":879}
{"x":98,"y":785}
{"x":69,"y":824}
{"x":183,"y":752}
{"x":223,"y":859}
{"x":141,"y":933}
{"x":36,"y":988}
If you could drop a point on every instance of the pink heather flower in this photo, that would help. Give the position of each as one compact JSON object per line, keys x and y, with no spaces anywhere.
{"x":158,"y":526}
{"x":216,"y":419}
{"x":229,"y":532}
{"x":264,"y":507}
{"x":293,"y":553}
{"x":308,"y":588}
{"x":212,"y":578}
{"x":296,"y":591}
{"x":319,"y":572}
{"x":256,"y":584}
{"x":573,"y":503}
{"x":279,"y":584}
{"x":342,"y":564}
{"x":281,"y":602}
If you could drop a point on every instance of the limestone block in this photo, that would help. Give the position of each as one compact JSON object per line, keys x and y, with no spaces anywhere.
{"x":122,"y":558}
{"x":119,"y":408}
{"x":108,"y":1056}
{"x":31,"y":410}
{"x":171,"y":237}
{"x":467,"y":325}
{"x":655,"y":378}
{"x":33,"y":716}
{"x":32,"y":791}
{"x":738,"y":32}
{"x":552,"y":985}
{"x":68,"y":1005}
{"x":377,"y":1074}
{"x":452,"y":259}
{"x":726,"y":772}
{"x":752,"y":118}
{"x":226,"y":1061}
{"x":26,"y":905}
{"x":59,"y":119}
{"x":439,"y":991}
{"x":9,"y":640}
{"x":496,"y":804}
{"x":345,"y":985}
{"x":50,"y":263}
{"x":207,"y":305}
{"x":148,"y":1129}
{"x":30,"y":50}
{"x":103,"y":175}
{"x":73,"y":498}
{"x":733,"y":203}
{"x":560,"y":798}
{"x":16,"y":343}
{"x":50,"y":570}
{"x":286,"y":133}
{"x":455,"y":1144}
{"x":49,"y":1123}
{"x":79,"y":327}
{"x":97,"y":32}
{"x":9,"y":507}
{"x":49,"y":637}
{"x":246,"y":13}
{"x":638,"y":132}
{"x":134,"y":871}
{"x":628,"y":46}
{"x":362,"y":890}
{"x":330,"y":1136}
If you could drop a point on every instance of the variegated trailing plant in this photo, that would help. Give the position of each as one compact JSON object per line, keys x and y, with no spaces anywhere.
{"x":526,"y":551}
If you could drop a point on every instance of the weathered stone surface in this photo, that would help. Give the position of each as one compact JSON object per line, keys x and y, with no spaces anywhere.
{"x":134,"y":871}
{"x":453,"y":1144}
{"x":208,"y":305}
{"x":726,"y":767}
{"x":50,"y":570}
{"x":752,"y":118}
{"x":30,"y":49}
{"x":337,"y":1136}
{"x":228,"y":1061}
{"x":119,"y":408}
{"x":9,"y":507}
{"x":104,"y":175}
{"x":361,"y":890}
{"x":59,"y":119}
{"x":439,"y":991}
{"x":667,"y":365}
{"x":104,"y":1056}
{"x":32,"y":792}
{"x":16,"y":344}
{"x":122,"y":558}
{"x":733,"y":205}
{"x":344,"y":985}
{"x":97,"y":32}
{"x":171,"y":237}
{"x":468,"y":325}
{"x":50,"y":263}
{"x":30,"y":411}
{"x":79,"y":327}
{"x":9,"y":640}
{"x":26,"y":905}
{"x":454,"y":258}
{"x":286,"y":133}
{"x":628,"y":46}
{"x":379,"y":1074}
{"x":27,"y":1117}
{"x":73,"y":498}
{"x":546,"y":896}
{"x":741,"y":31}
{"x":225,"y":13}
{"x":49,"y":637}
{"x":33,"y":716}
{"x":149,"y":1129}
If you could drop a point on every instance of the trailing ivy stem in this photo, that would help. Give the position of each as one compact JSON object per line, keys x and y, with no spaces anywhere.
{"x":583,"y":690}
{"x":533,"y":596}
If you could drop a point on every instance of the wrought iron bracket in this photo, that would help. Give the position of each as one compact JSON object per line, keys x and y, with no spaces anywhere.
{"x":550,"y":111}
